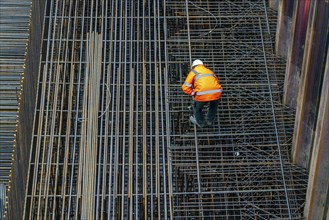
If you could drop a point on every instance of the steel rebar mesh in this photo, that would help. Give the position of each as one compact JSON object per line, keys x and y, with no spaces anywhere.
{"x":112,"y":138}
{"x":100,"y":142}
{"x":239,"y":168}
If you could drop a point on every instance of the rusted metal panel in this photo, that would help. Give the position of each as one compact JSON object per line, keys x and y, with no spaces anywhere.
{"x":318,"y":184}
{"x":309,"y":92}
{"x":284,"y":27}
{"x":274,"y":4}
{"x":296,"y":52}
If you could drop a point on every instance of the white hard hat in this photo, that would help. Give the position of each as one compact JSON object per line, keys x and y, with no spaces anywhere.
{"x":196,"y":62}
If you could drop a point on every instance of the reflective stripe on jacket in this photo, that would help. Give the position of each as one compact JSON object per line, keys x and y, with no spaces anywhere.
{"x":203,"y":84}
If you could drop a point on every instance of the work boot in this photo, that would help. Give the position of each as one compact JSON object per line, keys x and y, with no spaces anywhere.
{"x":194,"y":121}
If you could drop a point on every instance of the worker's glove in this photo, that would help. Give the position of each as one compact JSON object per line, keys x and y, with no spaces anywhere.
{"x":193,"y":93}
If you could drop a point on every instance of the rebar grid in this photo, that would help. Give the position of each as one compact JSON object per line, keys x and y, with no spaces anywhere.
{"x":100,"y":131}
{"x":14,"y":34}
{"x":111,"y":133}
{"x":239,"y":168}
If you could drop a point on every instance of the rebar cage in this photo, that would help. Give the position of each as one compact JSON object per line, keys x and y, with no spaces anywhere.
{"x":111,"y":135}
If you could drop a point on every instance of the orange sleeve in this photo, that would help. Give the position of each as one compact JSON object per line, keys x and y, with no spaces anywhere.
{"x":187,"y":86}
{"x":217,"y":78}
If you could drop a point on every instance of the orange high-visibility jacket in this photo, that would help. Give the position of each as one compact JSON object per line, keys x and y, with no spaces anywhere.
{"x":203,"y":84}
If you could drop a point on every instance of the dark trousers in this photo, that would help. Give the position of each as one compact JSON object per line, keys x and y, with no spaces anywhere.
{"x":198,"y":111}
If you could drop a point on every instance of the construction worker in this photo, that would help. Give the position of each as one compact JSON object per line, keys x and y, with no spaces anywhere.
{"x":203,"y":85}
